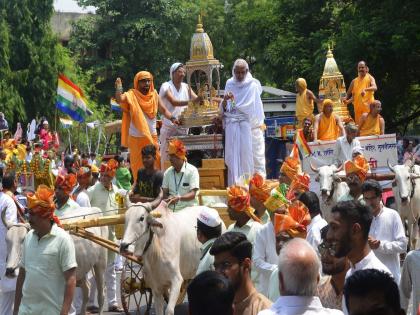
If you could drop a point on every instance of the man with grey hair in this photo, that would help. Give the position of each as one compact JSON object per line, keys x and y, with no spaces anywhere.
{"x":243,"y":120}
{"x":344,"y":145}
{"x":298,"y":276}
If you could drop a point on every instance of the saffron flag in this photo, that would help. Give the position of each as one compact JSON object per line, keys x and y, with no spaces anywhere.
{"x":301,"y":143}
{"x":295,"y":153}
{"x":70,"y":99}
{"x":114,"y":105}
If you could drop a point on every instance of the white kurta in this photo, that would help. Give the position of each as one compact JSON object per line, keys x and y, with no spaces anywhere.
{"x":343,"y":149}
{"x":243,"y":119}
{"x":264,"y":256}
{"x":206,"y":260}
{"x":410,"y":281}
{"x":168,"y":128}
{"x":7,"y":285}
{"x":388,"y":228}
{"x":314,"y":231}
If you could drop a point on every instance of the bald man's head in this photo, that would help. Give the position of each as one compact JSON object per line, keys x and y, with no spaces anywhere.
{"x":299,"y":267}
{"x":362,"y":68}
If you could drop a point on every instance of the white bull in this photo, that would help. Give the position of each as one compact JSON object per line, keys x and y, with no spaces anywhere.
{"x":88,"y":255}
{"x":406,"y":189}
{"x":331,"y":187}
{"x":168,"y":246}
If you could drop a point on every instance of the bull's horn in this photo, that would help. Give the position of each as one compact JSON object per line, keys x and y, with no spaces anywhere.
{"x":390,"y":166}
{"x":153,"y":222}
{"x":6,"y":223}
{"x":316,"y":170}
{"x":338,"y":169}
{"x":147,"y":206}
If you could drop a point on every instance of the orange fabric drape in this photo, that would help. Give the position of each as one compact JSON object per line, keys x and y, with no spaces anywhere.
{"x":304,"y":107}
{"x":136,"y":145}
{"x":361,"y":103}
{"x":371,"y":126}
{"x":328,"y":129}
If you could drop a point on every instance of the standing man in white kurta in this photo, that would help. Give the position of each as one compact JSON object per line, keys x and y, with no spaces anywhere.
{"x":386,"y":235}
{"x":175,"y":95}
{"x":243,"y":118}
{"x":7,"y":285}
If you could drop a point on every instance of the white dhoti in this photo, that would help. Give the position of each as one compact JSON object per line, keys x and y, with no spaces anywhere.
{"x":238,"y":146}
{"x":258,"y":151}
{"x":6,"y":302}
{"x":167,"y":132}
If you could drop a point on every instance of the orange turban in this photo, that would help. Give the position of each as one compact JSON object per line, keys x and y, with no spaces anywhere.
{"x":359,"y":165}
{"x":66,"y":183}
{"x":260,"y":189}
{"x":327,"y":101}
{"x":41,"y":203}
{"x":294,"y":222}
{"x":109,"y":168}
{"x":84,"y":172}
{"x":290,"y":167}
{"x":299,"y":183}
{"x":239,"y":200}
{"x":177,"y":147}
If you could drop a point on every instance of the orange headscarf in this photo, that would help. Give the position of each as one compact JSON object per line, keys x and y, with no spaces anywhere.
{"x":294,"y":222}
{"x":359,"y":165}
{"x":290,"y":167}
{"x":177,"y":147}
{"x":260,"y":189}
{"x":239,"y":200}
{"x":66,"y":183}
{"x":137,"y":106}
{"x":41,"y":203}
{"x":299,"y":183}
{"x":84,"y":172}
{"x":109,"y":168}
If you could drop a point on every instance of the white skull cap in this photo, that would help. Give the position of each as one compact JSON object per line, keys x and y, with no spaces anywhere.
{"x":209,"y":217}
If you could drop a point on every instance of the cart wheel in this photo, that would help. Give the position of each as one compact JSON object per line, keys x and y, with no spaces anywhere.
{"x":134,"y":293}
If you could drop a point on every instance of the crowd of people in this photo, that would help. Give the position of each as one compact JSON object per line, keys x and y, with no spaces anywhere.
{"x":279,"y":256}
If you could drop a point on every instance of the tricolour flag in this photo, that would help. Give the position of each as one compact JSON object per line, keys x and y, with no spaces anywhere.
{"x":70,"y":99}
{"x":114,"y":105}
{"x":66,"y":123}
{"x":301,"y":143}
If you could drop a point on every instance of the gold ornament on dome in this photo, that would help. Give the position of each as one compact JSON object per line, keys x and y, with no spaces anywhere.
{"x":203,"y":66}
{"x":332,"y":86}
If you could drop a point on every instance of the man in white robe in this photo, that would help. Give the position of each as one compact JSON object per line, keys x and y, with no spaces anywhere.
{"x":243,"y":118}
{"x":175,"y":95}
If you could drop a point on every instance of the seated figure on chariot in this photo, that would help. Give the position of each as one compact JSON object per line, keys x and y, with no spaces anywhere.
{"x":140,"y":106}
{"x":356,"y":172}
{"x":243,"y":117}
{"x":8,"y":143}
{"x":372,"y":123}
{"x":328,"y":126}
{"x":361,"y":91}
{"x":65,"y":205}
{"x":305,"y":99}
{"x":345,"y":144}
{"x":148,"y":185}
{"x":306,"y":131}
{"x":181,"y":181}
{"x":175,"y":95}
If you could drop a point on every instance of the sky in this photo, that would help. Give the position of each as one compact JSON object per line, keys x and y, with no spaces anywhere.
{"x":70,"y":6}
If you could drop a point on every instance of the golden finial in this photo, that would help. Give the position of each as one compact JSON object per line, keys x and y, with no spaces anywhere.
{"x":199,"y":28}
{"x":329,"y":52}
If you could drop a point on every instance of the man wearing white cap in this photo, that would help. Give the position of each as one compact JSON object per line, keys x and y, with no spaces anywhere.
{"x":209,"y":228}
{"x":175,"y":95}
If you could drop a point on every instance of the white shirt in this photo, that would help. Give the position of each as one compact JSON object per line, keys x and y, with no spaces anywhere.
{"x":314,"y":231}
{"x":388,"y":228}
{"x":151,"y":123}
{"x":183,"y":94}
{"x":6,"y":202}
{"x":370,"y":261}
{"x":206,"y":260}
{"x":298,"y":305}
{"x":264,"y":256}
{"x":410,"y":281}
{"x":82,"y":199}
{"x":343,"y":149}
{"x":274,"y":285}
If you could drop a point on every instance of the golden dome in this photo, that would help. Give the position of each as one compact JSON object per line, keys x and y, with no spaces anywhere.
{"x":330,"y":67}
{"x":201,"y":46}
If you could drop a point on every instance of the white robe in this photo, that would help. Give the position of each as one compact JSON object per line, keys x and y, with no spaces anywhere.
{"x":242,"y":120}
